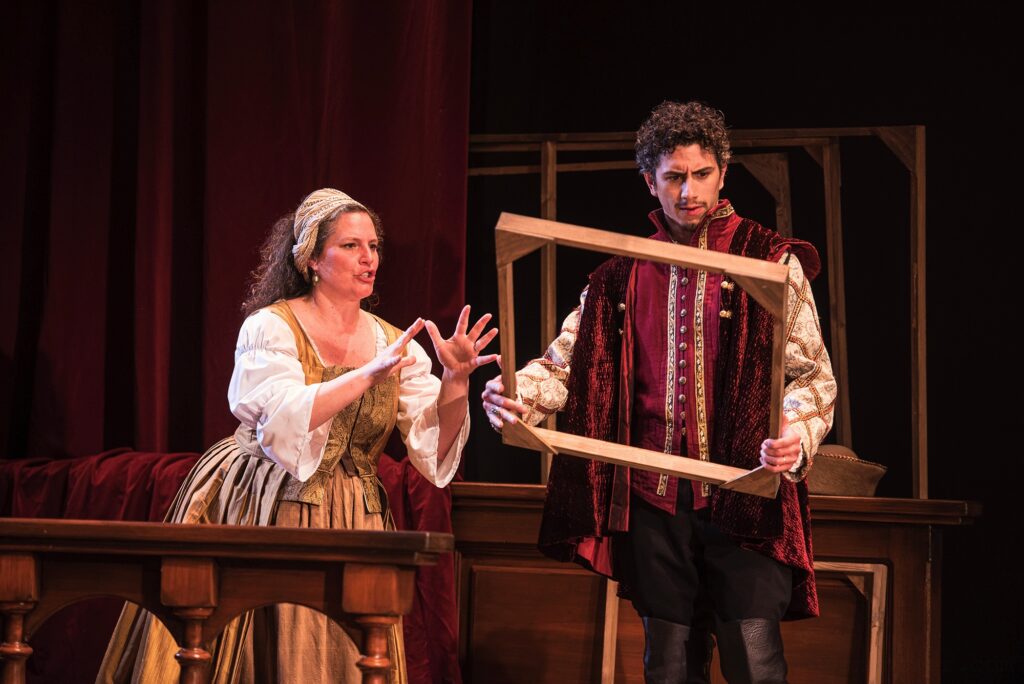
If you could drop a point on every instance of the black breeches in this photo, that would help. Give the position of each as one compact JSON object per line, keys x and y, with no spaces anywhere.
{"x":683,"y":569}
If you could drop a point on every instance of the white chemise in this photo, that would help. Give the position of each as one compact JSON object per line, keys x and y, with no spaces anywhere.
{"x":268,"y":392}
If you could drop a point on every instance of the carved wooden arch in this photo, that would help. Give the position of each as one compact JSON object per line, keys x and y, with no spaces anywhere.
{"x":229,"y":608}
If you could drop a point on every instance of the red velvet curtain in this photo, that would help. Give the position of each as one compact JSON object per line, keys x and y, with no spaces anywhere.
{"x":148,"y":146}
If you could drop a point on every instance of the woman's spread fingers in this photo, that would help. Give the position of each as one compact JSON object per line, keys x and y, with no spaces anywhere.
{"x":478,"y":327}
{"x":486,"y":339}
{"x":463,"y":323}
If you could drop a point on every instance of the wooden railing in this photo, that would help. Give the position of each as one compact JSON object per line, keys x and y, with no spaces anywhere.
{"x":196,"y":578}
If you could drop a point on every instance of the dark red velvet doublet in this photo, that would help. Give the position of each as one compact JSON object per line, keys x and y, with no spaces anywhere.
{"x":588,"y":501}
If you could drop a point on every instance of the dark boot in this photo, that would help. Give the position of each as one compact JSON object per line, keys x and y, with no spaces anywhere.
{"x":699,"y":650}
{"x":665,"y":651}
{"x":751,"y":651}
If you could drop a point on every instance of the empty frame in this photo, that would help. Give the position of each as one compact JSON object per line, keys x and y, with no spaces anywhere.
{"x":765,"y":281}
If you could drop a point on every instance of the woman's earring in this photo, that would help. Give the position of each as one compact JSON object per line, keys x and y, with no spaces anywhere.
{"x":316,"y":277}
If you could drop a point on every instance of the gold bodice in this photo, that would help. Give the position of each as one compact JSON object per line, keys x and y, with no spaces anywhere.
{"x":358,"y":432}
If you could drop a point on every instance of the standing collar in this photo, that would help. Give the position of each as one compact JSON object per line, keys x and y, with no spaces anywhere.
{"x":712,"y":221}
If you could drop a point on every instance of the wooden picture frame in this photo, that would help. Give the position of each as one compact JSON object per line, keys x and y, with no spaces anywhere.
{"x":765,"y":281}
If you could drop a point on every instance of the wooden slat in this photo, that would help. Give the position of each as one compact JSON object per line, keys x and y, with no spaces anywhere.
{"x":876,"y":509}
{"x":611,"y":631}
{"x":507,"y":329}
{"x":878,"y":574}
{"x":625,"y":164}
{"x":771,"y":298}
{"x":513,"y":170}
{"x":772,"y":172}
{"x":918,"y":320}
{"x":608,"y":242}
{"x":778,"y":371}
{"x":815,"y":152}
{"x":901,"y":141}
{"x":837,"y":290}
{"x":548,"y":275}
{"x":225,"y":541}
{"x":644,"y":459}
{"x":771,"y":136}
{"x":485,"y":148}
{"x":509,"y":246}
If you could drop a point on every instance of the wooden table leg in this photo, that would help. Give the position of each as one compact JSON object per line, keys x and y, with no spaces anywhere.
{"x":193,"y":659}
{"x":375,"y":663}
{"x":188,"y":586}
{"x":13,"y":649}
{"x":19,"y":594}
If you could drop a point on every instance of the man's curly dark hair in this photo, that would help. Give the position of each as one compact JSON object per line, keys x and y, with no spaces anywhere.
{"x":672,"y":124}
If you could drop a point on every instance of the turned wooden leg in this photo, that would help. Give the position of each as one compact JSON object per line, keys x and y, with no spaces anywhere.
{"x":378,"y":594}
{"x":19,"y":593}
{"x":375,"y":662}
{"x":193,"y":659}
{"x":189,"y":587}
{"x":14,"y":650}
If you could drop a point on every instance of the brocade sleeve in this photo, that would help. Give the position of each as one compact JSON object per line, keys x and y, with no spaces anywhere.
{"x":541,"y":384}
{"x":810,"y":394}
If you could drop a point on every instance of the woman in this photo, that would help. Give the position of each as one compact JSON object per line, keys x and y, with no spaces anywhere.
{"x":318,"y":385}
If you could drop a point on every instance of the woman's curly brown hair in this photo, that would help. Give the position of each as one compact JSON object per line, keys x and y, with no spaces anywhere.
{"x":672,"y":124}
{"x":277,"y":278}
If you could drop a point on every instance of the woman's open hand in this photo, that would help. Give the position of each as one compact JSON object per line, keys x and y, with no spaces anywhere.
{"x":460,"y":353}
{"x":391,"y":360}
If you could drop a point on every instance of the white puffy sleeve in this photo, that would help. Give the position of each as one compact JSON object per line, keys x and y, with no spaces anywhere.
{"x":418,"y":421}
{"x":268,"y":392}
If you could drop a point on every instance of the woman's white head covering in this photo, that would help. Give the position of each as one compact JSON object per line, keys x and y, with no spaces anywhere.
{"x":318,"y":205}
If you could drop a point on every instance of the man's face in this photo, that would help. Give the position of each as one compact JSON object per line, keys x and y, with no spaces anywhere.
{"x":687,"y":183}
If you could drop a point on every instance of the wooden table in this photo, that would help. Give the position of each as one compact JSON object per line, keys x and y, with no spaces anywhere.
{"x":196,"y":578}
{"x":524,"y":617}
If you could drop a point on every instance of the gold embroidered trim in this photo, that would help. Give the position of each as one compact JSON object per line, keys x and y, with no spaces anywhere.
{"x":727,"y":210}
{"x":670,"y":368}
{"x":698,"y":351}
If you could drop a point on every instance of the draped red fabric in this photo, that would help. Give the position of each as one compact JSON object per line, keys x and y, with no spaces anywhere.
{"x":151,"y":146}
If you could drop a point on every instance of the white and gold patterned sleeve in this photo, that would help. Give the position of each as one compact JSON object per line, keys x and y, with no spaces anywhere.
{"x":810,"y":394}
{"x":541,"y":384}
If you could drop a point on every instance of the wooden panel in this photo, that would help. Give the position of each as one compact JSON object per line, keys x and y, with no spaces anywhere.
{"x":833,"y":647}
{"x":629,"y":656}
{"x":372,"y":589}
{"x":813,"y":651}
{"x":188,"y":582}
{"x":19,"y":577}
{"x":496,"y":527}
{"x":508,"y":604}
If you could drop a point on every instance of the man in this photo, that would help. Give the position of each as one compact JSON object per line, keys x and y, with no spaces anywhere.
{"x":678,"y":360}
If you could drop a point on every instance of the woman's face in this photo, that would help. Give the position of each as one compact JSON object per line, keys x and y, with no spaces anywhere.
{"x":347,"y":266}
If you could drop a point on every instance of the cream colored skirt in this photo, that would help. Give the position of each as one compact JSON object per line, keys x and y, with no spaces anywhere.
{"x":279,"y":643}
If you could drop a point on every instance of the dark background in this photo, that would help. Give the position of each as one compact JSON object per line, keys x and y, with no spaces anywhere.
{"x":541,"y":68}
{"x":146,"y":146}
